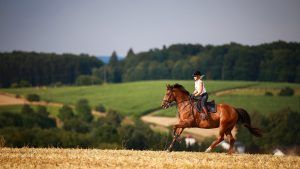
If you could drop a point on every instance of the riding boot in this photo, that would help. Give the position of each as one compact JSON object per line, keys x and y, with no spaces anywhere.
{"x":205,"y":112}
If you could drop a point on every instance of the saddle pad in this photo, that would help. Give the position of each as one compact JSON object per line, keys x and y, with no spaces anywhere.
{"x":211,"y":106}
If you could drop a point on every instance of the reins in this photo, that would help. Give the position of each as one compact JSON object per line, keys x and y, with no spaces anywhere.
{"x":190,"y":103}
{"x":192,"y":108}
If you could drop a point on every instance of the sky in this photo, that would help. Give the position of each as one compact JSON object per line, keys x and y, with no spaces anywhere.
{"x":99,"y":27}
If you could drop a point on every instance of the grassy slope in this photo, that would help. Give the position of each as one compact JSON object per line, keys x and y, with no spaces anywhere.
{"x":253,"y":99}
{"x":17,"y":108}
{"x":95,"y":158}
{"x":132,"y":98}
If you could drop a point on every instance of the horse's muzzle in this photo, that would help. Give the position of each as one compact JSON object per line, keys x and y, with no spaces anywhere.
{"x":165,"y":104}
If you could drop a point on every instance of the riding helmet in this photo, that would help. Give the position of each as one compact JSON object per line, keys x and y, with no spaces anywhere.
{"x":197,"y":73}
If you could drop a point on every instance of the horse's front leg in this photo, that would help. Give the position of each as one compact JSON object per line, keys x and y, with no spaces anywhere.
{"x":177,"y":130}
{"x":176,"y":134}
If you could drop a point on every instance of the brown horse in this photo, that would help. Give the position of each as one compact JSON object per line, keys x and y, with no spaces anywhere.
{"x":225,"y":118}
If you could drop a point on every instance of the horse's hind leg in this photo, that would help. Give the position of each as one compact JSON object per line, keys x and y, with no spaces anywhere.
{"x":218,"y":140}
{"x":231,"y":141}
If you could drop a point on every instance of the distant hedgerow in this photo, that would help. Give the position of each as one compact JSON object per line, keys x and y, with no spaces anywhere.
{"x":287,"y":91}
{"x":33,"y":97}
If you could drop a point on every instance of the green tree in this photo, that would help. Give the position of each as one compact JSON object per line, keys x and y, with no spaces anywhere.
{"x":88,"y":80}
{"x":114,"y":69}
{"x":283,"y":129}
{"x":100,"y":108}
{"x":33,"y":97}
{"x":24,"y":83}
{"x":42,"y":110}
{"x":76,"y":125}
{"x":83,"y":110}
{"x":287,"y":91}
{"x":26,"y":109}
{"x":65,"y":113}
{"x":114,"y":118}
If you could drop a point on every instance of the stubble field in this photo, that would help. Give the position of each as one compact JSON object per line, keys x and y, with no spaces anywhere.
{"x":95,"y":158}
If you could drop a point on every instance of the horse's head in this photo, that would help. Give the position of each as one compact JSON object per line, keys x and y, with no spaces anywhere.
{"x":168,"y":98}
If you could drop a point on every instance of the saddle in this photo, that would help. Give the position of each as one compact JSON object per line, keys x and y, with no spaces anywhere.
{"x":211,"y":106}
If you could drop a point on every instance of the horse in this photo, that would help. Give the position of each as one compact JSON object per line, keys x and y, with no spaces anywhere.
{"x":225,"y":118}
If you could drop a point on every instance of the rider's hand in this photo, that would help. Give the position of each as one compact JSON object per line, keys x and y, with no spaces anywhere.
{"x":192,"y":96}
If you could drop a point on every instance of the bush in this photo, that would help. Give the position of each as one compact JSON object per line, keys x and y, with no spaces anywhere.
{"x":33,"y":97}
{"x":283,"y":129}
{"x":14,"y":85}
{"x":114,"y":118}
{"x":83,"y":110}
{"x":100,"y":108}
{"x":24,"y":83}
{"x":268,"y":94}
{"x":287,"y":91}
{"x":10,"y":119}
{"x":76,"y":125}
{"x":26,"y":109}
{"x":57,"y":84}
{"x":37,"y":137}
{"x":65,"y":113}
{"x":87,"y":80}
{"x":31,"y":119}
{"x":42,"y":110}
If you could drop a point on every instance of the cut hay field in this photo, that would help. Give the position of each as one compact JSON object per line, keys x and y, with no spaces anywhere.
{"x":95,"y":158}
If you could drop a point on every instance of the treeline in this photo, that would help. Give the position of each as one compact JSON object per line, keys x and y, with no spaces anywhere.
{"x":76,"y":127}
{"x":280,"y":130}
{"x":277,"y":61}
{"x":30,"y":68}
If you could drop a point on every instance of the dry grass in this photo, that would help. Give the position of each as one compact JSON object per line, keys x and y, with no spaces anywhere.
{"x":95,"y":158}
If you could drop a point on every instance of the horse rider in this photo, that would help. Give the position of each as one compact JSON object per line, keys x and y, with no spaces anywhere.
{"x":200,"y":93}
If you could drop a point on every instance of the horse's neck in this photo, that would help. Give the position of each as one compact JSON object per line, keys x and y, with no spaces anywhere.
{"x":183,"y":102}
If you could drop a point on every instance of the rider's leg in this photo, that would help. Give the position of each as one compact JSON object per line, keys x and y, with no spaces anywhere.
{"x":203,"y":104}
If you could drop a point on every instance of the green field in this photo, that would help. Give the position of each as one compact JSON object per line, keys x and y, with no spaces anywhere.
{"x":137,"y":98}
{"x":17,"y":108}
{"x":261,"y":104}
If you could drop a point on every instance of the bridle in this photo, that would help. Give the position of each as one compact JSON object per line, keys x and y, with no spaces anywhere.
{"x":168,"y":102}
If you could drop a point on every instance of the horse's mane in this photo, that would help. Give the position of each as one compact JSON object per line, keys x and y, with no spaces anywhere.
{"x":180,"y":87}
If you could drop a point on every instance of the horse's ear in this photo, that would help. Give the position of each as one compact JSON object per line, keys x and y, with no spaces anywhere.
{"x":168,"y":86}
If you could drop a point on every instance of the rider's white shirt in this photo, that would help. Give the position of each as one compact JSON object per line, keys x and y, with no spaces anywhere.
{"x":197,"y":84}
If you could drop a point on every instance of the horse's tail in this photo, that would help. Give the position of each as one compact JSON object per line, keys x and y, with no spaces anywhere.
{"x":244,"y":118}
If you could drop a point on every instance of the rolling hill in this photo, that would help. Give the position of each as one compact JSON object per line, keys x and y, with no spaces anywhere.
{"x":138,"y":98}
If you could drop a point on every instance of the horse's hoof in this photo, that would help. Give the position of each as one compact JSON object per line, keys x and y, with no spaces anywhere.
{"x":230,"y":152}
{"x":208,"y":150}
{"x":169,"y":150}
